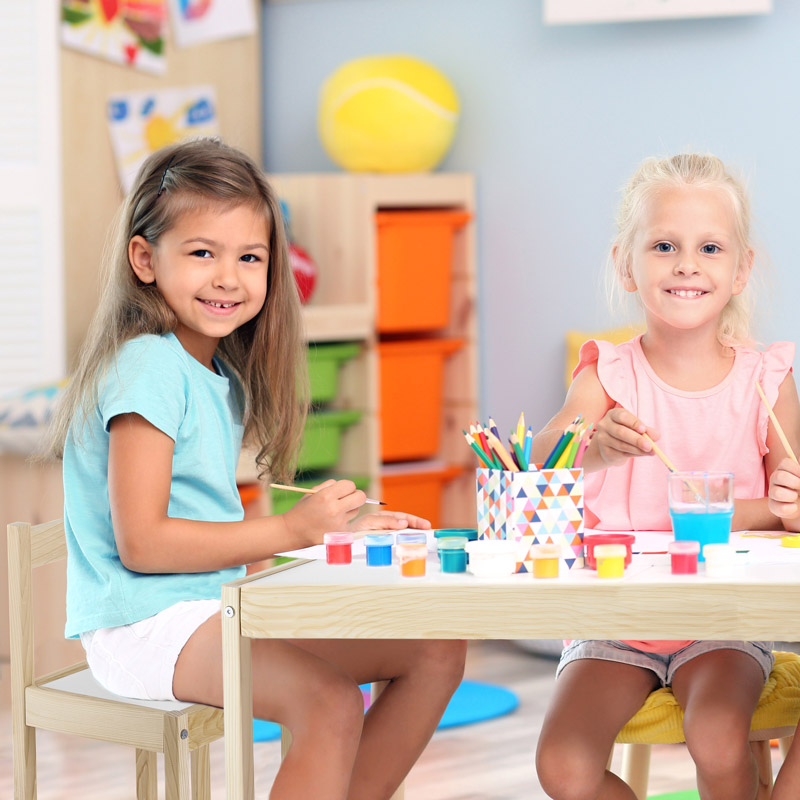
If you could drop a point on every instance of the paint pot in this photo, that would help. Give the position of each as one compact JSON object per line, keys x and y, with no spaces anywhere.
{"x":492,"y":558}
{"x":683,"y":557}
{"x":452,"y":555}
{"x":446,"y":533}
{"x":338,"y":547}
{"x":379,"y":549}
{"x":720,"y":560}
{"x":610,"y":559}
{"x":411,"y":557}
{"x":592,"y":539}
{"x":545,"y":560}
{"x":412,"y":537}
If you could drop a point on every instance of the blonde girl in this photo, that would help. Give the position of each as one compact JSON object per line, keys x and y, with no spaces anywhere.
{"x":196,"y":344}
{"x":683,"y":246}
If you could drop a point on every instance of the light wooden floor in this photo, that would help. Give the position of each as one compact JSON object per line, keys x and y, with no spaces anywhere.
{"x":487,"y":761}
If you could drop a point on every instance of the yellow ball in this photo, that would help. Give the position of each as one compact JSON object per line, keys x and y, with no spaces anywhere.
{"x":387,"y":114}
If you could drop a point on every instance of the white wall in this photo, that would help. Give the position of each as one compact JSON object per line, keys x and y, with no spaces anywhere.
{"x":554,"y":119}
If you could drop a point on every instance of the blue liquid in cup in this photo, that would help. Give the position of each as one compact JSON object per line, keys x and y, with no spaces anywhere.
{"x":707,"y":527}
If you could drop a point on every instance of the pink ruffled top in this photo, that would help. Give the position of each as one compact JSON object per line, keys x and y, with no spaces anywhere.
{"x":723,"y":428}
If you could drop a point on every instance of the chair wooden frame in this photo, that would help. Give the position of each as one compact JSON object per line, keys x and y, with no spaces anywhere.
{"x":71,"y":701}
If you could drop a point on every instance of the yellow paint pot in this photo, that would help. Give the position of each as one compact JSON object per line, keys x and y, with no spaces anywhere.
{"x":610,"y":560}
{"x":545,"y":560}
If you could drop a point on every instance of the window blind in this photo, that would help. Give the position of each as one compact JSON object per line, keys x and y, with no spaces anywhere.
{"x":32,"y":340}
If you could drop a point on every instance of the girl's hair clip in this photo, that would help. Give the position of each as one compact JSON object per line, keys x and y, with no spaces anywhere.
{"x":164,"y":176}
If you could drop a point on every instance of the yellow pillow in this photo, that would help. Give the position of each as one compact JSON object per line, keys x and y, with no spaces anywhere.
{"x":575,"y":340}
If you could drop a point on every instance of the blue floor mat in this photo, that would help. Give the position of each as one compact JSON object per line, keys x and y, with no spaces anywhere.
{"x":472,"y":702}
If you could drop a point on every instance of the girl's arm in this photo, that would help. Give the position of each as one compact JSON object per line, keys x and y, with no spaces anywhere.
{"x":619,"y":434}
{"x":139,"y":479}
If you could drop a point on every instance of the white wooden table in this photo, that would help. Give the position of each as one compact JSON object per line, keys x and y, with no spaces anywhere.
{"x":311,"y":599}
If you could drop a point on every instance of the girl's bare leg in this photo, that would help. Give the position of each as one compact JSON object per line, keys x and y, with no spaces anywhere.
{"x":312,"y":687}
{"x":719,"y":692}
{"x":593,"y":700}
{"x":423,"y":675}
{"x":787,"y":784}
{"x":316,"y":700}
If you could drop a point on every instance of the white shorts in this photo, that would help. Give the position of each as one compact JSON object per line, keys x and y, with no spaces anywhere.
{"x":138,"y":660}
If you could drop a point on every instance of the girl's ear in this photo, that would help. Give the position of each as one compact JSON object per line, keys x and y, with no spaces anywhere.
{"x":743,"y":272}
{"x":140,"y":255}
{"x":623,"y":270}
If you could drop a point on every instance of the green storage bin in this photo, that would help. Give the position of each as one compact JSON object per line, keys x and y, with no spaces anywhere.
{"x":282,"y":500}
{"x":324,"y":363}
{"x":322,"y":438}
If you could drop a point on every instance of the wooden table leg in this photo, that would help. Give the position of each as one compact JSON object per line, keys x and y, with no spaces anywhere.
{"x":238,"y":700}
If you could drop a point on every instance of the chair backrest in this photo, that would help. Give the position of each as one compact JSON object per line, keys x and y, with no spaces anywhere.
{"x":29,"y":547}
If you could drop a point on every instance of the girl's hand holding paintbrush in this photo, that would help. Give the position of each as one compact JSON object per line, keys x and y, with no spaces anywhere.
{"x":334,"y":506}
{"x":784,"y":493}
{"x":619,"y":435}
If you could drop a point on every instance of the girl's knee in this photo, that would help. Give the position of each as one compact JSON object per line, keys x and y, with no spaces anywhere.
{"x":564,"y":774}
{"x":442,"y":660}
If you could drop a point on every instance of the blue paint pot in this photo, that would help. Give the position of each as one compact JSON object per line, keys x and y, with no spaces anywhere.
{"x":379,"y":549}
{"x":452,"y":555}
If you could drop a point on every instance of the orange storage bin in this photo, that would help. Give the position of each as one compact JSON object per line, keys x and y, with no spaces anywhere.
{"x":411,"y":388}
{"x":415,"y":256}
{"x":417,"y":489}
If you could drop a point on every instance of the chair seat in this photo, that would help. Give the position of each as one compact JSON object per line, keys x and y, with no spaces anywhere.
{"x":660,"y":719}
{"x":83,"y":682}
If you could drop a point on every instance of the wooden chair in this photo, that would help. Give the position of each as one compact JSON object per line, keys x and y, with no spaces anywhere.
{"x":660,"y":721}
{"x":71,"y":701}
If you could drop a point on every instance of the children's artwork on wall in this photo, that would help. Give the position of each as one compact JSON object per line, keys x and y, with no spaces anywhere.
{"x":560,"y":12}
{"x":143,"y":122}
{"x":200,"y":21}
{"x":130,"y":32}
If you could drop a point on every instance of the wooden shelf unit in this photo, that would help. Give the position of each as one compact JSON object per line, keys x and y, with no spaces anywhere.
{"x":333,"y":218}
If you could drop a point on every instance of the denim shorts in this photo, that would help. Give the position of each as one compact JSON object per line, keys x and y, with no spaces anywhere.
{"x":663,"y":664}
{"x":138,"y":660}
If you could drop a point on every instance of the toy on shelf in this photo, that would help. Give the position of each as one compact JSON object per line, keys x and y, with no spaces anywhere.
{"x":304,"y":269}
{"x":387,"y":114}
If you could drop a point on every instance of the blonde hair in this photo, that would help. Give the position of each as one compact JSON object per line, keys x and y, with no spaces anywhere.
{"x":266,"y":353}
{"x":688,"y":169}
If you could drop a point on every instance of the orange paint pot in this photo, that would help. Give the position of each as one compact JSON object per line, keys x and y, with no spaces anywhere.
{"x":545,"y":560}
{"x":412,"y":557}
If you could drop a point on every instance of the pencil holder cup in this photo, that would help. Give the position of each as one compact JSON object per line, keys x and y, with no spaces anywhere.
{"x":540,"y":506}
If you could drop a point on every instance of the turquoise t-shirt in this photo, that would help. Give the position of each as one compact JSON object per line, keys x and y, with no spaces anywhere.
{"x":202,"y":412}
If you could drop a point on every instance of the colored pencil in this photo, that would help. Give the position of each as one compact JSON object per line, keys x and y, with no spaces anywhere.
{"x":527,"y":448}
{"x":562,"y":443}
{"x":778,"y":429}
{"x":493,"y":428}
{"x":521,"y":426}
{"x":478,"y":452}
{"x":518,"y":451}
{"x":500,"y":451}
{"x":314,"y":491}
{"x":582,"y":448}
{"x":484,"y":445}
{"x":572,"y":450}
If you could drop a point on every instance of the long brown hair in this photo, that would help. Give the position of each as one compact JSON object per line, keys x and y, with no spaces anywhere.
{"x":266,"y":353}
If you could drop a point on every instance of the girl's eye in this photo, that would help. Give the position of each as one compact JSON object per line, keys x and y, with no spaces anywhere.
{"x":664,"y":247}
{"x":250,"y":258}
{"x":709,"y":249}
{"x":201,"y":253}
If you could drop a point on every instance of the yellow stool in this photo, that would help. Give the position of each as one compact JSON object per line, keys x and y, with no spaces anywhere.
{"x":660,"y":721}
